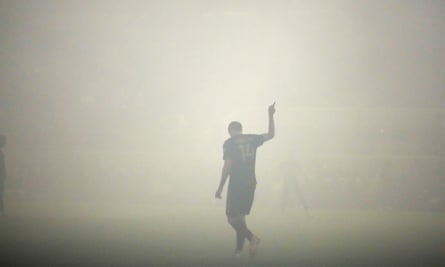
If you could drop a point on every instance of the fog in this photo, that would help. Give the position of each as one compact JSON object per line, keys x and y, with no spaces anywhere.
{"x":129,"y":101}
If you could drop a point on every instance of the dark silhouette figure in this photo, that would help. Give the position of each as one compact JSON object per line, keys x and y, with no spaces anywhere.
{"x":239,"y":163}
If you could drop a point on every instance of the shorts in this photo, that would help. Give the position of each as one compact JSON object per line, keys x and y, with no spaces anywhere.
{"x":239,"y":201}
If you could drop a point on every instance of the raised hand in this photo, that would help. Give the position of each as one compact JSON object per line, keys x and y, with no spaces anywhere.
{"x":272,"y":109}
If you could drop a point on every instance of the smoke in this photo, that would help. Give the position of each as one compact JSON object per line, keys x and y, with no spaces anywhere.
{"x":130,"y":100}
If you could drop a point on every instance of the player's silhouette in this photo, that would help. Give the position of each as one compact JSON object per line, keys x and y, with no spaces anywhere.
{"x":239,"y":163}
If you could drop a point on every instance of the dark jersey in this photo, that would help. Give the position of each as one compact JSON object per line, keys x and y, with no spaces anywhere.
{"x":242,"y":150}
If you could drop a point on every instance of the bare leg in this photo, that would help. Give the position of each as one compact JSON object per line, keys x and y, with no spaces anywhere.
{"x":242,"y":232}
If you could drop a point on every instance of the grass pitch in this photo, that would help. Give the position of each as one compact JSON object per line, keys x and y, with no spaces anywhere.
{"x":63,"y":234}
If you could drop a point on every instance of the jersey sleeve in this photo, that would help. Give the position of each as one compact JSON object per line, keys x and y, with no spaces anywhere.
{"x":258,"y":140}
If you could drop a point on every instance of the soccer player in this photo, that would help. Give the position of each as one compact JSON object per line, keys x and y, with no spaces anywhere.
{"x":239,"y":163}
{"x":2,"y":172}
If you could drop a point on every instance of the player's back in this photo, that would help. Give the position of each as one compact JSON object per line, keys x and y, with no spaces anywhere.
{"x":241,"y":150}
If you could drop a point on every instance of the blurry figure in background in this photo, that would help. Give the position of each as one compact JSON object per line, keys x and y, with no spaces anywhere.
{"x":239,"y":163}
{"x":2,"y":173}
{"x":293,"y":171}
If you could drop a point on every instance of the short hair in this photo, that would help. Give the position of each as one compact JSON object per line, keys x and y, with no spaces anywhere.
{"x":235,"y":126}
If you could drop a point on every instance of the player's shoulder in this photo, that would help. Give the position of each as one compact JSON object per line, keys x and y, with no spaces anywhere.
{"x":252,"y":137}
{"x":242,"y":139}
{"x":228,"y":141}
{"x":235,"y":140}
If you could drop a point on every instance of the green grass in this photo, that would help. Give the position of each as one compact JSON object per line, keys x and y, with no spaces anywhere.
{"x":63,"y":234}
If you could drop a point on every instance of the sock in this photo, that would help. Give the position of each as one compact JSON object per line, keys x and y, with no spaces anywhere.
{"x":239,"y":241}
{"x":247,"y":233}
{"x":242,"y":232}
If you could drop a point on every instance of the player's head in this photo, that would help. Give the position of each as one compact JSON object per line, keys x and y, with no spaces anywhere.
{"x":2,"y":140}
{"x":235,"y":128}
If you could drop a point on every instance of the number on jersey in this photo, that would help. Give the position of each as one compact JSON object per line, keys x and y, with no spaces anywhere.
{"x":247,"y":152}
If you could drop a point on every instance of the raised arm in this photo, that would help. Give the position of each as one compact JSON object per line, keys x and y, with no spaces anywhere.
{"x":224,"y":175}
{"x":271,"y":133}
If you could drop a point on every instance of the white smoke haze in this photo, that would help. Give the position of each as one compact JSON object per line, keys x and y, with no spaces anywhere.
{"x":130,"y":100}
{"x":115,"y":114}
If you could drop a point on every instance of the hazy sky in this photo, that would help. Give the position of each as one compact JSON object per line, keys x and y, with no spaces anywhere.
{"x":161,"y":79}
